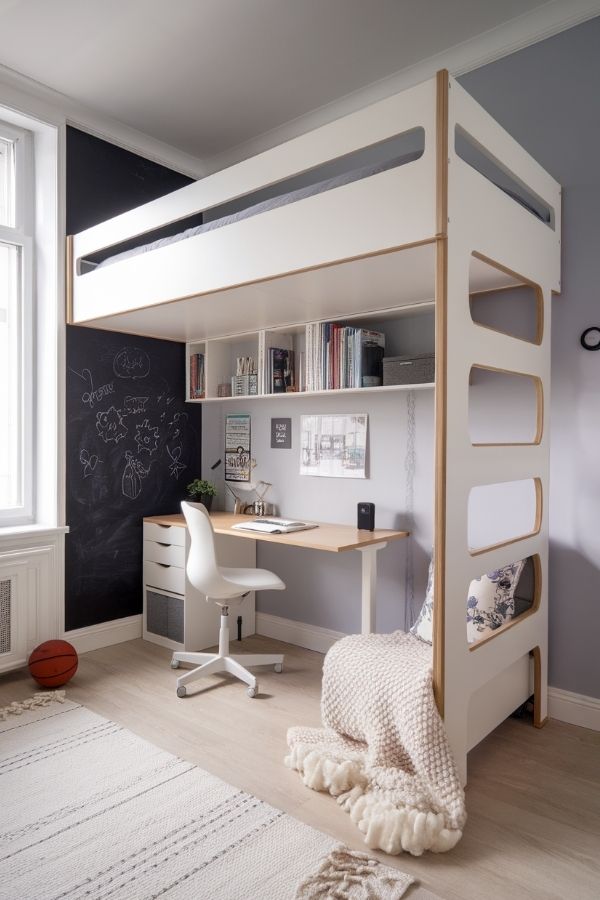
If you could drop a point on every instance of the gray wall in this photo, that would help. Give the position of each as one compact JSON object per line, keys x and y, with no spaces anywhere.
{"x":324,"y":589}
{"x":548,"y":97}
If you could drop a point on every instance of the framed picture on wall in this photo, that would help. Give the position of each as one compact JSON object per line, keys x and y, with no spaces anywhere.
{"x":334,"y":446}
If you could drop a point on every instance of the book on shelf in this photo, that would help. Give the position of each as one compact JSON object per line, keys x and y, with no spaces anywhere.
{"x":197,"y":386}
{"x":341,"y":356}
{"x":280,"y":371}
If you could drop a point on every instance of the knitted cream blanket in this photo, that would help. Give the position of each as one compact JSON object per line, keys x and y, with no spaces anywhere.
{"x":383,"y":751}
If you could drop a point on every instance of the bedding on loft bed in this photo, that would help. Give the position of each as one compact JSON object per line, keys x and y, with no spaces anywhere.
{"x":256,"y":209}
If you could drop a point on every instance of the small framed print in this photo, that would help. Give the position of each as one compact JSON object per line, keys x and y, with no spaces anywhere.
{"x":281,"y":434}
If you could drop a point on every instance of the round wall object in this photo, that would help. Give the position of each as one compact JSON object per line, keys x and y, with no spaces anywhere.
{"x":53,"y":663}
{"x":590,"y":339}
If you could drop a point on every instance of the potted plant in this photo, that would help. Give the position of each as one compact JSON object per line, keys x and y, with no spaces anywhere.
{"x":201,"y":491}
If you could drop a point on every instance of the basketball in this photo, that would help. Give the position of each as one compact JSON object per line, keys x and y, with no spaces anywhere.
{"x":53,"y":663}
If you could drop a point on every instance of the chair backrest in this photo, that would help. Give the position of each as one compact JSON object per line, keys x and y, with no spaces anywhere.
{"x":202,"y":569}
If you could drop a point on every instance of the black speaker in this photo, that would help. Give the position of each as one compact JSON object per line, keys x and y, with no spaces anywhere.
{"x":365,"y":518}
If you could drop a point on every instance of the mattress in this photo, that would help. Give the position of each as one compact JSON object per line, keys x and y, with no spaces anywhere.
{"x":256,"y":209}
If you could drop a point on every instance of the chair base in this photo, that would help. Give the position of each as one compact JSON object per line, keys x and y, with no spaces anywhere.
{"x":212,"y":663}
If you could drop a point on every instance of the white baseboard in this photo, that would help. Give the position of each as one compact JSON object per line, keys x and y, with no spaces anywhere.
{"x":312,"y":637}
{"x":106,"y":633}
{"x":576,"y":709}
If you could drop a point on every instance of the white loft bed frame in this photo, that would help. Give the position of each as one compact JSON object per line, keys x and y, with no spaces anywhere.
{"x":414,"y":231}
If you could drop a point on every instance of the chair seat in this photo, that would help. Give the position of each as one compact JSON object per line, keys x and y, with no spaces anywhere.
{"x":252,"y":579}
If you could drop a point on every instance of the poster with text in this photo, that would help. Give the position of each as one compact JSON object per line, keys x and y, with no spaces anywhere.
{"x":334,"y":446}
{"x":237,"y":448}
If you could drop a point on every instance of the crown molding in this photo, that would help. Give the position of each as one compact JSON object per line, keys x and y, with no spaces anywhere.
{"x":31,"y":98}
{"x":491,"y":45}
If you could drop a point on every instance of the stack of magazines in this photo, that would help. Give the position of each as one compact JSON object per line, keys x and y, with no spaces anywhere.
{"x":340,"y":356}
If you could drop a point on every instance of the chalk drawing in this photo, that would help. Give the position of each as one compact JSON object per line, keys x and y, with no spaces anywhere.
{"x":93,"y":395}
{"x":131,"y":362}
{"x":176,"y":467}
{"x":89,"y":461}
{"x":133,"y":474}
{"x":110,"y":425}
{"x":135,"y":405}
{"x":146,"y":437}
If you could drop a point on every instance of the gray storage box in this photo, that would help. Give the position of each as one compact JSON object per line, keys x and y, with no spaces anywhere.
{"x":409,"y":369}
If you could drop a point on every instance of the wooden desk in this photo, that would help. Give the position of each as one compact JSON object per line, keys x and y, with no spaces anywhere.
{"x":327,"y":537}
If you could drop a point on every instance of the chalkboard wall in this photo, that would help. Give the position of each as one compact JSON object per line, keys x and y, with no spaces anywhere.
{"x":132,"y":446}
{"x":132,"y":443}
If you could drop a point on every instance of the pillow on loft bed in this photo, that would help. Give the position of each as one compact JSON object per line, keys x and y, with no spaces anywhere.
{"x":490,"y":603}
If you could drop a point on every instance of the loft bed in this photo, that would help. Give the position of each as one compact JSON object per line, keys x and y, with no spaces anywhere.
{"x":453,"y":208}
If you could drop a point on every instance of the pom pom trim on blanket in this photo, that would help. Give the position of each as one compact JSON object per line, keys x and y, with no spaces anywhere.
{"x":383,"y":751}
{"x":385,"y":826}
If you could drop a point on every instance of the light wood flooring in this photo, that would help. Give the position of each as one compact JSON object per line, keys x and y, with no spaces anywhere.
{"x":533,"y":797}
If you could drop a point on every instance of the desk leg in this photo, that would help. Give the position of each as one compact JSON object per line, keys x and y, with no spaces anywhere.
{"x":369,"y":586}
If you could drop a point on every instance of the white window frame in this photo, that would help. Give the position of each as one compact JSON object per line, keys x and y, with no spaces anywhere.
{"x":22,"y":236}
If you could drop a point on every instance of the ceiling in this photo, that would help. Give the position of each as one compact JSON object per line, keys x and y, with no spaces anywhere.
{"x":208,"y":75}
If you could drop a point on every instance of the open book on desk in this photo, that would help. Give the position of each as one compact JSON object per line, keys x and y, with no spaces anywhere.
{"x":270,"y":525}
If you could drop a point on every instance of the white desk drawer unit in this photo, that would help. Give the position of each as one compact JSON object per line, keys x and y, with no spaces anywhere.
{"x":175,"y":614}
{"x":165,"y":534}
{"x":164,"y":554}
{"x":159,"y":575}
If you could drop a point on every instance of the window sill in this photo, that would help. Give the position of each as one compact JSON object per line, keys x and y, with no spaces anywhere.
{"x":9,"y":531}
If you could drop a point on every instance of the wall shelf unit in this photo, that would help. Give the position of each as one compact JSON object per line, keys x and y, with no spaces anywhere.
{"x":409,"y":330}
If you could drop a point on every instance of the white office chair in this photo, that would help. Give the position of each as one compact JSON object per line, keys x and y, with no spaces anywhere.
{"x":225,"y":586}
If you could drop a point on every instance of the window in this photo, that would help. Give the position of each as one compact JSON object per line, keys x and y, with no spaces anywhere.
{"x":16,"y":318}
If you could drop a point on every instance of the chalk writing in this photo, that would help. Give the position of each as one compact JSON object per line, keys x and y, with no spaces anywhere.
{"x":93,"y":395}
{"x":131,"y":362}
{"x":176,"y":467}
{"x":131,"y":479}
{"x":110,"y":425}
{"x":134,"y":405}
{"x":89,"y":461}
{"x":146,"y":437}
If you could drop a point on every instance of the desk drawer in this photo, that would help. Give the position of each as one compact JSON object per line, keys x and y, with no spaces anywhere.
{"x":164,"y":534}
{"x":168,"y":554}
{"x":170,"y":578}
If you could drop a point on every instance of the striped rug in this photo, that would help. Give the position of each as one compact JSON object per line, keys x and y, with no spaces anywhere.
{"x":89,"y":811}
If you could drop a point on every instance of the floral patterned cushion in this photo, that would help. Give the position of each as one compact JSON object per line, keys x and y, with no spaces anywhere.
{"x":423,"y":627}
{"x":490,"y":603}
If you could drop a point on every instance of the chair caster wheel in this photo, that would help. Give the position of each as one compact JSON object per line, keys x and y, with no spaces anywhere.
{"x":181,"y":691}
{"x":175,"y":664}
{"x":279,"y":667}
{"x":252,"y":691}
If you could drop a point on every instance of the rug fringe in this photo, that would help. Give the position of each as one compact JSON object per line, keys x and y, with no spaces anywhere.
{"x":39,"y":699}
{"x":385,"y":826}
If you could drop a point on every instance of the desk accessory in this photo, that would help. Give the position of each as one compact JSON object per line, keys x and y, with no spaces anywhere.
{"x":365,"y":517}
{"x":273,"y":526}
{"x":201,"y":491}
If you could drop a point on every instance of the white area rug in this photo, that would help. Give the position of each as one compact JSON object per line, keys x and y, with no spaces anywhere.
{"x":89,"y":810}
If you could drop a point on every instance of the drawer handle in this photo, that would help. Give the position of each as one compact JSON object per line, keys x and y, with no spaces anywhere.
{"x":163,"y":544}
{"x":163,"y":565}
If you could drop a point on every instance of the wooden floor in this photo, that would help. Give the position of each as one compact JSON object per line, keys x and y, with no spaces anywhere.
{"x":533,"y":797}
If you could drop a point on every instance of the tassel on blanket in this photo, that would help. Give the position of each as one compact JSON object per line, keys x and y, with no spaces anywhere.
{"x":386,"y":826}
{"x":383,"y":752}
{"x":41,"y":698}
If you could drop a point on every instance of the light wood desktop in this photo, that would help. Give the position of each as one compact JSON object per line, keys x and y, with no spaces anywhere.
{"x":329,"y":537}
